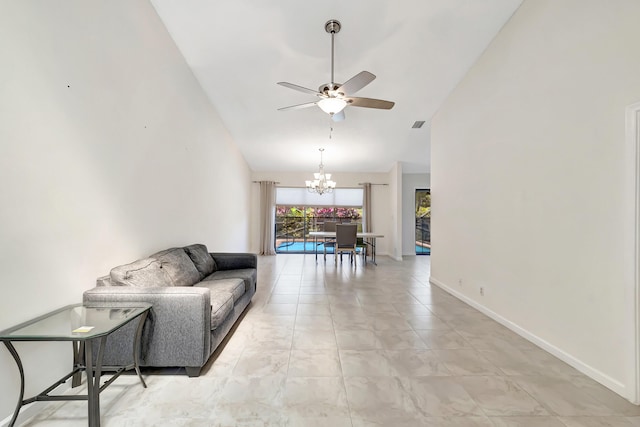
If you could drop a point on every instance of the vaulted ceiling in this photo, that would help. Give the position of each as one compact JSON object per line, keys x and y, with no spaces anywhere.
{"x":419,"y":50}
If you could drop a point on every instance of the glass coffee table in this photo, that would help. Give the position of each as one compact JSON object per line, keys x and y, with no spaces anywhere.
{"x":87,"y":327}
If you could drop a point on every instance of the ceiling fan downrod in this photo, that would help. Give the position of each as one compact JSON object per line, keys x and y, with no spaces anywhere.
{"x":332,"y":27}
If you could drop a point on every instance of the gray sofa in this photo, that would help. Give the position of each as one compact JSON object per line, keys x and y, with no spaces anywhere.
{"x":197,"y":297}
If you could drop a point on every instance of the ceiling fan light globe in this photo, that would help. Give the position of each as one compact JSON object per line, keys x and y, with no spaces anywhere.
{"x":332,"y":105}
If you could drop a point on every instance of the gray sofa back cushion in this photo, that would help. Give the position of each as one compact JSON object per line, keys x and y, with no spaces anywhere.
{"x":178,"y":266}
{"x":201,"y":259}
{"x":144,"y":273}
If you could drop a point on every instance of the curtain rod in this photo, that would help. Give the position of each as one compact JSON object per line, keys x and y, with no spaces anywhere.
{"x":258,"y":182}
{"x":363,"y":183}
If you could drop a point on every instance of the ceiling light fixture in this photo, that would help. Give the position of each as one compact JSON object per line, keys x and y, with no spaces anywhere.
{"x":332,"y":105}
{"x":322,"y":181}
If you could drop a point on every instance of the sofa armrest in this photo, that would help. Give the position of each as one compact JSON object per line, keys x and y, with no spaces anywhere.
{"x":234,"y":261}
{"x":177,"y":331}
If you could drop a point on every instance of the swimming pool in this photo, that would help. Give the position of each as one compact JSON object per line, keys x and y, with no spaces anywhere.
{"x":300,"y":247}
{"x":421,"y":250}
{"x":309,"y":247}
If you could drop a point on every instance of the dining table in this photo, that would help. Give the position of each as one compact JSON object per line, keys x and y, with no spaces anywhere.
{"x":368,"y":237}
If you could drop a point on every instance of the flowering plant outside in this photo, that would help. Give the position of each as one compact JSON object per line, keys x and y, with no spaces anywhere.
{"x":294,"y":222}
{"x":324,"y":212}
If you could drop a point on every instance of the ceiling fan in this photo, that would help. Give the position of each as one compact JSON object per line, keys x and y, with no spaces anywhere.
{"x":334,"y":97}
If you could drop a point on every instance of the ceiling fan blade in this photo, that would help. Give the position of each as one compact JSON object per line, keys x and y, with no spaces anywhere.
{"x":370,"y":103}
{"x":300,"y":88}
{"x":298,"y":107}
{"x":356,"y":83}
{"x":338,"y":117}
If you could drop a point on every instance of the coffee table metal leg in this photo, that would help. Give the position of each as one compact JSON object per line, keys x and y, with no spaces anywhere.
{"x":88,"y":355}
{"x":78,"y":350}
{"x":93,"y":380}
{"x":136,"y":347}
{"x":14,"y":353}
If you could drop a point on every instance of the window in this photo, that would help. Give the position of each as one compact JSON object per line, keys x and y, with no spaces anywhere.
{"x":302,"y":197}
{"x":298,"y":212}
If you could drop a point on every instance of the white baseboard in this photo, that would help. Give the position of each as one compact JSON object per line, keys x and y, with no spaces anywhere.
{"x":31,"y":410}
{"x":387,"y":254}
{"x":26,"y":413}
{"x":588,"y":370}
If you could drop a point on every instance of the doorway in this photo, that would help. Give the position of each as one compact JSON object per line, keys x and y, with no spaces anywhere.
{"x":632,"y":260}
{"x":423,"y":222}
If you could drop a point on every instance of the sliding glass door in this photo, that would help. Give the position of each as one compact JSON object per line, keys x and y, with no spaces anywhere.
{"x":299,"y":212}
{"x":293,"y":224}
{"x":423,"y":222}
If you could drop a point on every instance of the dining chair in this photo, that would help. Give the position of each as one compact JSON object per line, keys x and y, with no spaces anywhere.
{"x":346,"y":238}
{"x":329,"y":242}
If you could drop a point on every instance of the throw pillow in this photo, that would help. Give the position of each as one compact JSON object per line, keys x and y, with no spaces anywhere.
{"x":202,"y":259}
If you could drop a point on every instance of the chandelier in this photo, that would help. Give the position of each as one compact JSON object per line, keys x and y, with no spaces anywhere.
{"x":322,"y":181}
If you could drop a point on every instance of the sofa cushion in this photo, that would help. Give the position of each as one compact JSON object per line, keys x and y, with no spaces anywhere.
{"x":249,"y":275}
{"x":221,"y":306}
{"x":202,"y":259}
{"x":144,"y":273}
{"x":179,"y":266}
{"x":233,"y":286}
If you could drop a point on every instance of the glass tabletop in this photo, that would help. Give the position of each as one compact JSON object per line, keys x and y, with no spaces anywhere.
{"x":74,"y":323}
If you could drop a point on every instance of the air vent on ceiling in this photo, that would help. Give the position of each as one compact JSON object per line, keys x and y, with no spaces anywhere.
{"x":418,"y":124}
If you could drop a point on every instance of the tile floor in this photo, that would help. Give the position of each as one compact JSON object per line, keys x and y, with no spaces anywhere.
{"x":337,"y":346}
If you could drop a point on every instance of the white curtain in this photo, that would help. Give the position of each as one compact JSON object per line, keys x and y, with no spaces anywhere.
{"x":267,"y":217}
{"x":366,"y":207}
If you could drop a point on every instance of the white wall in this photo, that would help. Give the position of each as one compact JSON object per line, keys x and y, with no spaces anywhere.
{"x":395,"y":203}
{"x":410,"y":183}
{"x":380,"y":200}
{"x":109,"y":151}
{"x":528,"y":175}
